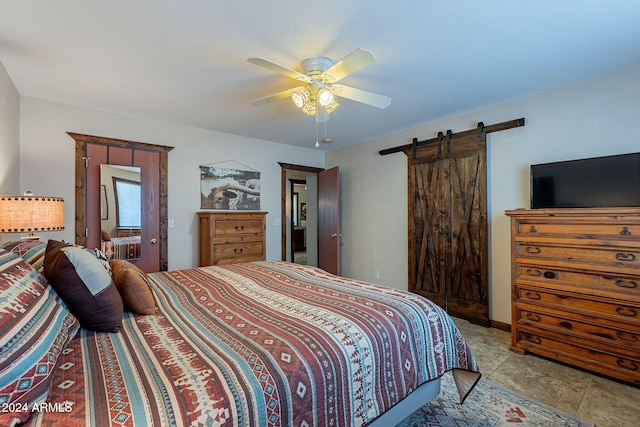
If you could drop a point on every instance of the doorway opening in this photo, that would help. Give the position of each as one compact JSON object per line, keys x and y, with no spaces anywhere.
{"x":299,"y":196}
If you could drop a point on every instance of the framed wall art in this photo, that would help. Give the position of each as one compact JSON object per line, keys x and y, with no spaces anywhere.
{"x":229,"y":189}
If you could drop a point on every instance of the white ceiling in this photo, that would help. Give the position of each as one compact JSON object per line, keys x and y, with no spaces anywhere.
{"x":184,"y":61}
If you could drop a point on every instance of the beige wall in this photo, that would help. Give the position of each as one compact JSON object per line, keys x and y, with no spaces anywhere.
{"x":9,"y":137}
{"x":591,"y":118}
{"x":48,"y":165}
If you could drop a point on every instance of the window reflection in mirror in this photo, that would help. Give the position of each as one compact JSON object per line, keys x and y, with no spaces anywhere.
{"x":121,"y":211}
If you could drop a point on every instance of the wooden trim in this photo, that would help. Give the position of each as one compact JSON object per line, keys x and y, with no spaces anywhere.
{"x":81,"y":222}
{"x":111,"y":142}
{"x":408,"y":148}
{"x":499,"y":325}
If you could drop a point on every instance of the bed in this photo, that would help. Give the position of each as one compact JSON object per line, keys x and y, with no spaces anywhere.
{"x":255,"y":344}
{"x":122,"y":247}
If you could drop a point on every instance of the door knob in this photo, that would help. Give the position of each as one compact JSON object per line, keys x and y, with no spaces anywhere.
{"x":334,"y":235}
{"x":154,"y":241}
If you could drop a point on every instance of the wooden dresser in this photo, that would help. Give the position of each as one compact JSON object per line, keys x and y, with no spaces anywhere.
{"x":576,"y":287}
{"x":230,"y":237}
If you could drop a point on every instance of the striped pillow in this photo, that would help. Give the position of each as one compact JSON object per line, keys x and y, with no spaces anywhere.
{"x":35,"y":327}
{"x":31,"y":251}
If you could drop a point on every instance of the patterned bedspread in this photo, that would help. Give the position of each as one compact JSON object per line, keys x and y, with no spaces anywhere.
{"x":122,"y":247}
{"x":257,"y":344}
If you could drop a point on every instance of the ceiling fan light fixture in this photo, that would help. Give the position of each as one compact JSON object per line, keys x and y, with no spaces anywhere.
{"x":333,"y":106}
{"x":325,"y":97}
{"x":301,"y":96}
{"x":297,"y":99}
{"x":304,"y":99}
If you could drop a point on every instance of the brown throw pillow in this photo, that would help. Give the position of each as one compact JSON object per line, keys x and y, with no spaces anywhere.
{"x":84,"y":285}
{"x":133,"y":285}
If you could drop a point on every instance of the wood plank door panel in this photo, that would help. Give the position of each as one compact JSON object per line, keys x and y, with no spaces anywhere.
{"x":467,"y":294}
{"x":448,"y":227}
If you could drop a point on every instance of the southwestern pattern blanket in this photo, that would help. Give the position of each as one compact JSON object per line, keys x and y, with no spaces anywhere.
{"x":257,"y":344}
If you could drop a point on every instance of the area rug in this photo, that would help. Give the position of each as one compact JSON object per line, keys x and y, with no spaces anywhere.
{"x":489,"y":404}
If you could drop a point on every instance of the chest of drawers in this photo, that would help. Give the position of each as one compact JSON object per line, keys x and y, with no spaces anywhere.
{"x":575,"y":282}
{"x":231,"y":237}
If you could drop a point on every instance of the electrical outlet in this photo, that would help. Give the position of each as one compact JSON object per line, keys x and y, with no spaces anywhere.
{"x":171,"y":223}
{"x":377,"y":274}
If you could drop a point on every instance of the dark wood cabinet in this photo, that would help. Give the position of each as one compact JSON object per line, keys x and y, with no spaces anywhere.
{"x":576,"y":287}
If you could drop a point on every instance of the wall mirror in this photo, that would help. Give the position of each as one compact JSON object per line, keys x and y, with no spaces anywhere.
{"x":120,"y":211}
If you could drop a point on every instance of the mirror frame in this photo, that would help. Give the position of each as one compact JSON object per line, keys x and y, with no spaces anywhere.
{"x":81,"y":184}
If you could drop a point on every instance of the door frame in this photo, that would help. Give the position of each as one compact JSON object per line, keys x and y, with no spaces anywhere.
{"x":284,"y":167}
{"x":81,"y":185}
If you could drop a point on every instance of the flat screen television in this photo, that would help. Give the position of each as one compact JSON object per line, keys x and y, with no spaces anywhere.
{"x":611,"y":181}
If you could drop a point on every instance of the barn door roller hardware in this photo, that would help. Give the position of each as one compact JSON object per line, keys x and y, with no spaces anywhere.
{"x":480,"y":130}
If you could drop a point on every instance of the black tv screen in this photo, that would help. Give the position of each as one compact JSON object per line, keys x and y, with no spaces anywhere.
{"x":611,"y":181}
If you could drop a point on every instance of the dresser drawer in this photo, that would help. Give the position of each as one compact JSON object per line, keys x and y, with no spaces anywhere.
{"x":600,"y":359}
{"x":623,"y":335}
{"x":578,"y":230}
{"x":237,"y":227}
{"x":240,"y":250}
{"x":588,"y":257}
{"x":615,"y":310}
{"x":559,"y":278}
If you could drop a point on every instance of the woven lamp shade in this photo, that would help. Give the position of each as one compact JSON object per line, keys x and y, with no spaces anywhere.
{"x":26,"y":214}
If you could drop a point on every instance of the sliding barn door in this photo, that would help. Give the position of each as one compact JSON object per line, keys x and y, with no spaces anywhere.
{"x":448,"y":249}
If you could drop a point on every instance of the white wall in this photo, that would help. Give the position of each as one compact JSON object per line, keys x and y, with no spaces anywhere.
{"x":591,"y":118}
{"x":48,"y":165}
{"x":9,"y":137}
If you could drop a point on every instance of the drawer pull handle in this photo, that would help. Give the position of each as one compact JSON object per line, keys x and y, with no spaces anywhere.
{"x":534,"y":273}
{"x":237,"y":250}
{"x":549,"y":275}
{"x":621,"y":256}
{"x":625,"y":336}
{"x":534,"y":317}
{"x":533,"y":295}
{"x":533,"y":250}
{"x":625,"y":232}
{"x":627,"y":364}
{"x":625,"y":311}
{"x":627,"y":283}
{"x":535,"y":340}
{"x":239,"y":227}
{"x":533,"y":229}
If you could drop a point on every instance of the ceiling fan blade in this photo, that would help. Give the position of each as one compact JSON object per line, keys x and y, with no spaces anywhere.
{"x":279,"y":69}
{"x":351,"y":63}
{"x":273,"y":97}
{"x":370,"y":98}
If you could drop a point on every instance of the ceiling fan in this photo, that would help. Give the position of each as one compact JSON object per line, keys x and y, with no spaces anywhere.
{"x":321,"y":75}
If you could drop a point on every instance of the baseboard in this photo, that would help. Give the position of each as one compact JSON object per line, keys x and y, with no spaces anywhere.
{"x":500,"y":325}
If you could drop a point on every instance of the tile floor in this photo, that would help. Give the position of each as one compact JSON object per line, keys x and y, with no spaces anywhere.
{"x":605,"y":402}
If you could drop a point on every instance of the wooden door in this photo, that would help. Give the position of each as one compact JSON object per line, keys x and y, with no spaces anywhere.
{"x":329,"y":220}
{"x":149,"y":163}
{"x":91,"y":152}
{"x":448,"y":242}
